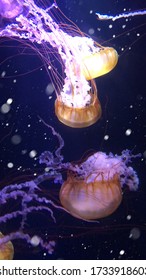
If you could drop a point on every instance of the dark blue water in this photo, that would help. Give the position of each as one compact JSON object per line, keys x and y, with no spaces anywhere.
{"x":122,"y":94}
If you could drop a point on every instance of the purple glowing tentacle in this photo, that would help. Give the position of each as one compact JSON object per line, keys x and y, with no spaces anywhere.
{"x":124,"y":15}
{"x":24,"y":212}
{"x":49,"y":246}
{"x":27,"y":197}
{"x":47,"y":157}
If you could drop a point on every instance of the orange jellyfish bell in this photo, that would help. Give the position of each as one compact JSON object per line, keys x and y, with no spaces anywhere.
{"x":93,"y":200}
{"x":99,"y":63}
{"x":79,"y":116}
{"x":94,"y":190}
{"x":6,"y":250}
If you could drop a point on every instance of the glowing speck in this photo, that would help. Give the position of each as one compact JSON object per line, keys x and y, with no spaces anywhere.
{"x":129,"y":217}
{"x":122,"y":252}
{"x":106,"y":137}
{"x":49,"y":89}
{"x":91,"y":31}
{"x":5,"y":108}
{"x":10,"y":165}
{"x":9,"y":101}
{"x":3,"y":74}
{"x":35,"y":241}
{"x":33,"y":153}
{"x":128,"y":132}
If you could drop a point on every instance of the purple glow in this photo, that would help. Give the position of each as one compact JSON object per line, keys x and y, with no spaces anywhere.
{"x":29,"y":193}
{"x":11,"y":8}
{"x":38,"y":26}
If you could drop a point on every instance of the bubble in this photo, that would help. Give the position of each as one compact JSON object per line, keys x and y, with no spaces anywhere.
{"x":3,"y":74}
{"x":135,"y":233}
{"x":129,"y":217}
{"x":106,"y":137}
{"x":35,"y":240}
{"x":9,"y":101}
{"x":33,"y":153}
{"x":128,"y":132}
{"x":91,"y":31}
{"x":49,"y":89}
{"x":10,"y":165}
{"x":5,"y":108}
{"x":122,"y":252}
{"x":16,"y":139}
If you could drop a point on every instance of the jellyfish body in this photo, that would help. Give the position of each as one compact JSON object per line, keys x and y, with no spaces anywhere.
{"x":99,"y":63}
{"x":92,"y":200}
{"x":78,"y":117}
{"x":78,"y":105}
{"x":10,"y":8}
{"x":6,"y":250}
{"x":94,"y":191}
{"x":83,"y":108}
{"x":81,"y":59}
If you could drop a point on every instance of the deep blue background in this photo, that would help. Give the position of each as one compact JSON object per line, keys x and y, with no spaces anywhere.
{"x":122,"y":94}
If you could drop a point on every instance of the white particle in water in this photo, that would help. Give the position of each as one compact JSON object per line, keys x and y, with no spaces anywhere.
{"x":5,"y":108}
{"x":122,"y":252}
{"x":10,"y":165}
{"x":135,"y":233}
{"x":3,"y":74}
{"x":106,"y":137}
{"x":35,"y":241}
{"x":49,"y":89}
{"x":9,"y":101}
{"x":129,"y":217}
{"x":33,"y":153}
{"x":91,"y":31}
{"x":16,"y":139}
{"x":128,"y":132}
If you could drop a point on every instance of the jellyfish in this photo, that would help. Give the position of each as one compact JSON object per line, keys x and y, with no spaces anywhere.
{"x":82,"y":59}
{"x":89,"y":191}
{"x":11,"y":8}
{"x":94,"y":189}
